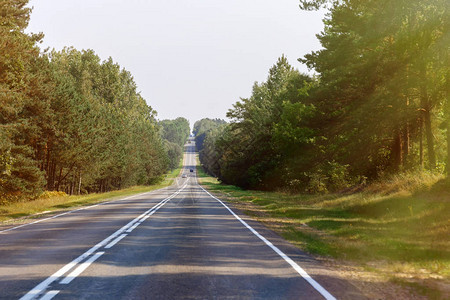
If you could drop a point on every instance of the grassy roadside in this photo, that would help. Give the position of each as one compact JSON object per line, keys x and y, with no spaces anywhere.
{"x":50,"y":202}
{"x":396,"y":232}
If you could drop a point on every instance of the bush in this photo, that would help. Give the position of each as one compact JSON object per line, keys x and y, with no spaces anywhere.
{"x":50,"y":194}
{"x":317,"y":183}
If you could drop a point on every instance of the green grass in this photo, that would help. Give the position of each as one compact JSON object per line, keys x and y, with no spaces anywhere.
{"x":170,"y":177}
{"x":57,"y":201}
{"x":401,"y":226}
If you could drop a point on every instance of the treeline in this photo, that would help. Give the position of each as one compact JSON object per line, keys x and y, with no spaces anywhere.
{"x":175,"y":134}
{"x":378,"y":105}
{"x":203,"y":127}
{"x":69,"y":121}
{"x":206,"y":132}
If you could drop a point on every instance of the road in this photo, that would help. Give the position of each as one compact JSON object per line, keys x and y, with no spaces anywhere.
{"x":179,"y":242}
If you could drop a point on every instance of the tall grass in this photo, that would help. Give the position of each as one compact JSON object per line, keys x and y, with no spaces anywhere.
{"x":399,"y":227}
{"x":408,"y":181}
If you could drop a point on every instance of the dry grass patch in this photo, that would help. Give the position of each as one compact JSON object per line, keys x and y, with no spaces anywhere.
{"x":51,"y":201}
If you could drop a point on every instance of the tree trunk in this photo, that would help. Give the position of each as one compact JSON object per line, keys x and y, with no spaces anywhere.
{"x":426,"y":113}
{"x":406,"y":130}
{"x":59,"y":179}
{"x":406,"y":142}
{"x":51,"y":181}
{"x":79,"y":185}
{"x":430,"y":140}
{"x":47,"y":167}
{"x":397,"y":152}
{"x":447,"y":165}
{"x":72,"y":184}
{"x":421,"y":142}
{"x":447,"y":114}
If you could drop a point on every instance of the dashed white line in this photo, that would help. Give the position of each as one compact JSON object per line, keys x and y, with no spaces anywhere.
{"x":50,"y":295}
{"x":44,"y":284}
{"x":115,"y":241}
{"x":74,"y":274}
{"x":133,"y":227}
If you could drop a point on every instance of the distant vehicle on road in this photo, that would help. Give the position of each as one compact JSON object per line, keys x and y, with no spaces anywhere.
{"x":184,"y":176}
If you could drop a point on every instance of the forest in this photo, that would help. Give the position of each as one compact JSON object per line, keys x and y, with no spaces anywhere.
{"x":175,"y":134}
{"x":377,"y":105}
{"x":71,"y":122}
{"x":206,"y":132}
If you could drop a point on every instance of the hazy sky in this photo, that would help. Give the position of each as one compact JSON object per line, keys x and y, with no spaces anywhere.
{"x":189,"y":58}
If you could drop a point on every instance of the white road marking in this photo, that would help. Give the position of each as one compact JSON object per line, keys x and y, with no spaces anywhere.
{"x":74,"y":274}
{"x":293,"y":264}
{"x":44,"y":284}
{"x":50,"y":295}
{"x":115,"y":241}
{"x":133,"y":227}
{"x":296,"y":267}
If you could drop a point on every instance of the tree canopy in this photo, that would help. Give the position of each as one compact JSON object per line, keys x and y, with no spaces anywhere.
{"x":175,"y":134}
{"x":69,"y":121}
{"x":206,"y":132}
{"x":378,"y":104}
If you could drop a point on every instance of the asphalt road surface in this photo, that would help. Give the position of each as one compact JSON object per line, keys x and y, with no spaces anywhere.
{"x":179,"y":242}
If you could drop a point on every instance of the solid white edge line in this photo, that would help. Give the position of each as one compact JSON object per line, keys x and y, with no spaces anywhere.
{"x":115,"y":241}
{"x":44,"y":284}
{"x":81,"y":268}
{"x":293,"y":264}
{"x":50,"y":295}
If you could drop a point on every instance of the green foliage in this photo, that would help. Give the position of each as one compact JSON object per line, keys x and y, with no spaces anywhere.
{"x":114,"y":141}
{"x":329,"y":176}
{"x":378,"y":70}
{"x":175,"y":134}
{"x":175,"y":131}
{"x":293,"y":131}
{"x":207,"y":131}
{"x":201,"y":129}
{"x":378,"y":106}
{"x":20,"y":176}
{"x":267,"y":132}
{"x":69,"y":122}
{"x":174,"y":153}
{"x":19,"y":173}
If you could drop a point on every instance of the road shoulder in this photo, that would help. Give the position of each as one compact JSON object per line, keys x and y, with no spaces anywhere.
{"x":362,"y":283}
